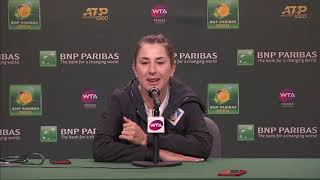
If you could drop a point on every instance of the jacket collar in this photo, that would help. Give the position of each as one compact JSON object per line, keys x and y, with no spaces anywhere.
{"x":137,"y":98}
{"x":180,"y":93}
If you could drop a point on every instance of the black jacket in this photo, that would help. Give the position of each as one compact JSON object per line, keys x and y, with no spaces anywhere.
{"x":189,"y":136}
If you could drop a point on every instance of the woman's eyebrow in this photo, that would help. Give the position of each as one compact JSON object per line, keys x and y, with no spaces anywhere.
{"x":145,"y":58}
{"x":159,"y":58}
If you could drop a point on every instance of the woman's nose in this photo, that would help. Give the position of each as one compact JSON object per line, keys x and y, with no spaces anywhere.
{"x":152,"y":68}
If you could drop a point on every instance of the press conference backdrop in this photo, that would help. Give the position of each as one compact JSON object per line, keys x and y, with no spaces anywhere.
{"x":254,"y":63}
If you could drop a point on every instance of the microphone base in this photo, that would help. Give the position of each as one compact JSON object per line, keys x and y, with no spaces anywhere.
{"x":159,"y":164}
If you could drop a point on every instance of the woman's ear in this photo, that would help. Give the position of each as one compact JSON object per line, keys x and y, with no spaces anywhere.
{"x":173,"y":69}
{"x":134,"y":70}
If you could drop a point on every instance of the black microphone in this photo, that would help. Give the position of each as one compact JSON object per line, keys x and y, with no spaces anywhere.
{"x":154,"y":94}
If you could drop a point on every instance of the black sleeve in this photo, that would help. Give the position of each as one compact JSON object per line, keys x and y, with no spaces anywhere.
{"x":106,"y":145}
{"x":197,"y":140}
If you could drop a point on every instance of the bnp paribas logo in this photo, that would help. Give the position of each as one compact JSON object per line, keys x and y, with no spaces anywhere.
{"x":223,"y":14}
{"x":223,"y":98}
{"x":24,"y":15}
{"x":25,"y":100}
{"x":245,"y":57}
{"x":245,"y":132}
{"x":48,"y":134}
{"x":48,"y":59}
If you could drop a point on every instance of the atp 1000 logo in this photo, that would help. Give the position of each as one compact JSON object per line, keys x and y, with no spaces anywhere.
{"x":297,"y":12}
{"x":99,"y":14}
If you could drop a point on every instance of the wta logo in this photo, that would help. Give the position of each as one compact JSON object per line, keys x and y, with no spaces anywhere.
{"x":156,"y":125}
{"x":287,"y":95}
{"x":159,"y":11}
{"x":89,"y":96}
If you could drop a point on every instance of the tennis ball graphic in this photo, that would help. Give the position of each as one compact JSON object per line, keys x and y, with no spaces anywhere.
{"x":222,"y":96}
{"x":221,"y":11}
{"x":24,"y":97}
{"x":23,"y":11}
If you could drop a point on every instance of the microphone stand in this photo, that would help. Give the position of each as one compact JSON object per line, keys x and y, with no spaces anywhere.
{"x":155,"y":161}
{"x":155,"y":137}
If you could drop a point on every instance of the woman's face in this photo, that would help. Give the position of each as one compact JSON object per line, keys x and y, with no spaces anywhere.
{"x":153,"y":67}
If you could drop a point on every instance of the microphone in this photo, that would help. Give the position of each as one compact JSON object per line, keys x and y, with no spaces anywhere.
{"x":154,"y":94}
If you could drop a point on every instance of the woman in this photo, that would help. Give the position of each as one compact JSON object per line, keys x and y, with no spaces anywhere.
{"x":122,"y":136}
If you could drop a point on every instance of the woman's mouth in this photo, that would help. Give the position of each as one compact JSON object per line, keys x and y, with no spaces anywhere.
{"x":153,"y":81}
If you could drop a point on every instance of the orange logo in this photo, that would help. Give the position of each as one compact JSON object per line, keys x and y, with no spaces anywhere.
{"x":24,"y":97}
{"x":221,"y":11}
{"x":222,"y":96}
{"x":23,"y":11}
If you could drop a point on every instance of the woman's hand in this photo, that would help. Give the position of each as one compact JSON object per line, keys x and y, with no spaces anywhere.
{"x":171,"y":156}
{"x":133,"y":133}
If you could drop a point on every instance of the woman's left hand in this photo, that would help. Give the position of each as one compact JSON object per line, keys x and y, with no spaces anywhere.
{"x":133,"y":133}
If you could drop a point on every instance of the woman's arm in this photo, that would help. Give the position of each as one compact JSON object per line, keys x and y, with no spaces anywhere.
{"x":197,"y":141}
{"x":106,"y":145}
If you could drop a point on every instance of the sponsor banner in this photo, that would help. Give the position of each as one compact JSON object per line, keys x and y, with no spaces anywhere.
{"x":9,"y":58}
{"x":159,"y":13}
{"x":251,"y":132}
{"x":52,"y":58}
{"x":287,"y":57}
{"x":223,"y":98}
{"x":50,"y":134}
{"x":287,"y":132}
{"x":100,"y":14}
{"x":223,"y":14}
{"x":24,"y":15}
{"x":247,"y":57}
{"x":7,"y":135}
{"x":77,"y":133}
{"x":25,"y":100}
{"x":198,"y":58}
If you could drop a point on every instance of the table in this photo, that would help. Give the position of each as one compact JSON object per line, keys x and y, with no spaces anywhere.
{"x":258,"y":168}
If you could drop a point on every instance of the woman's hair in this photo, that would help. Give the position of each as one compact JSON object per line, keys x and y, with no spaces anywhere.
{"x":155,"y":39}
